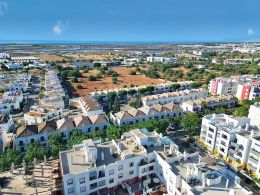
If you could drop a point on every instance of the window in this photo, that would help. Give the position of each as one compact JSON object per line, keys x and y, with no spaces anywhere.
{"x":111,"y":172}
{"x":83,"y":189}
{"x":120,"y":167}
{"x":22,"y":149}
{"x":224,"y":136}
{"x":32,"y":140}
{"x":102,"y":183}
{"x":131,"y":164}
{"x":70,"y":181}
{"x":111,"y":180}
{"x":71,"y":190}
{"x":42,"y":138}
{"x":120,"y":175}
{"x":20,"y":143}
{"x":131,"y":172}
{"x":82,"y":180}
{"x":93,"y":185}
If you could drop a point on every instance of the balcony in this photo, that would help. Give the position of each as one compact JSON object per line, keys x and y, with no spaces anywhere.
{"x":234,"y":144}
{"x":255,"y":152}
{"x":223,"y":143}
{"x":145,"y":162}
{"x":232,"y":151}
{"x":252,"y":159}
{"x":203,"y":133}
{"x":232,"y":158}
{"x":252,"y":168}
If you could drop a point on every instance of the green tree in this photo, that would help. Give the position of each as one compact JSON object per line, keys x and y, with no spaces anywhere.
{"x":190,"y":122}
{"x":7,"y":158}
{"x":97,"y":65}
{"x":74,"y":80}
{"x":137,"y":102}
{"x":2,"y":90}
{"x":91,"y":78}
{"x":132,"y":72}
{"x":41,"y":95}
{"x":75,"y":73}
{"x":100,"y":134}
{"x":79,"y":86}
{"x":57,"y":144}
{"x":76,"y":137}
{"x":114,"y":80}
{"x":35,"y":150}
{"x":195,"y":85}
{"x":176,"y":87}
{"x":99,"y":75}
{"x":116,"y":106}
{"x":114,"y":132}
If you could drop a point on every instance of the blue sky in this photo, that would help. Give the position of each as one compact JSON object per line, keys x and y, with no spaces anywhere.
{"x":130,"y":20}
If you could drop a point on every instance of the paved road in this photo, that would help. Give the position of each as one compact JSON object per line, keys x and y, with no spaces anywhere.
{"x":32,"y":94}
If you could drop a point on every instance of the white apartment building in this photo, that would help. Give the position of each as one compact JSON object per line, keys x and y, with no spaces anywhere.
{"x":145,"y":113}
{"x":142,"y":162}
{"x":40,"y":132}
{"x":38,"y":114}
{"x":254,"y":157}
{"x":4,"y":56}
{"x":9,"y":101}
{"x":177,"y":97}
{"x":211,"y":102}
{"x":14,"y":65}
{"x":21,"y":83}
{"x":202,"y":52}
{"x":90,"y":106}
{"x":8,"y":104}
{"x":161,"y":59}
{"x":131,"y":60}
{"x":254,"y":114}
{"x":254,"y":93}
{"x":223,"y":86}
{"x":21,"y":59}
{"x":228,"y":88}
{"x":228,"y":137}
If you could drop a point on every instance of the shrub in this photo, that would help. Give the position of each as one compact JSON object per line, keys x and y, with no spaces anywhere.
{"x":91,"y":78}
{"x":132,"y":72}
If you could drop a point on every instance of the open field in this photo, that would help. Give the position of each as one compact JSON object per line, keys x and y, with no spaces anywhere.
{"x":89,"y":56}
{"x":51,"y":58}
{"x":44,"y":180}
{"x":106,"y":81}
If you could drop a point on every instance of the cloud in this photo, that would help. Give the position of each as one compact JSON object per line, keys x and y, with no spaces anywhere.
{"x":3,"y":8}
{"x":60,"y":27}
{"x":250,"y":31}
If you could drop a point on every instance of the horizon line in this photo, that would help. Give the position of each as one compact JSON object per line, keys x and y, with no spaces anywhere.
{"x":119,"y":42}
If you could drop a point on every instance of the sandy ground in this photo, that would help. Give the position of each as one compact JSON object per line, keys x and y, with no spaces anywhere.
{"x":106,"y":82}
{"x":51,"y":58}
{"x":15,"y":183}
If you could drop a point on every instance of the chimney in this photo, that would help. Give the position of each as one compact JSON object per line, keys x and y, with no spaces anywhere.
{"x":71,"y":159}
{"x":252,"y":133}
{"x":227,"y":183}
{"x":247,"y":127}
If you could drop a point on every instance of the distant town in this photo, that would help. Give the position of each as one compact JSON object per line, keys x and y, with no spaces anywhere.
{"x":130,"y":119}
